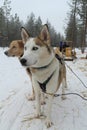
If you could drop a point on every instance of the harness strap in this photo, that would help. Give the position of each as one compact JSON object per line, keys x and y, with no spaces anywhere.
{"x":43,"y":85}
{"x":59,"y":58}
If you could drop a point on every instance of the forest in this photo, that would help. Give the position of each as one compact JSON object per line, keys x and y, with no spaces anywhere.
{"x":75,"y":31}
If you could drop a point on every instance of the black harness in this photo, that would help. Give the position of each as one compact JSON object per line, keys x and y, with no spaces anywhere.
{"x":43,"y":85}
{"x":59,"y":58}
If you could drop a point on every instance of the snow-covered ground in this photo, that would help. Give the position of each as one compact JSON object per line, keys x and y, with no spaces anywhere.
{"x":69,"y":114}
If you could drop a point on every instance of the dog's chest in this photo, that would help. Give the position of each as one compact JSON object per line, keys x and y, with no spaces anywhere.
{"x":43,"y":74}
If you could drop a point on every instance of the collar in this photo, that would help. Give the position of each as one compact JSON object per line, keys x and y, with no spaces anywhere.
{"x":43,"y":67}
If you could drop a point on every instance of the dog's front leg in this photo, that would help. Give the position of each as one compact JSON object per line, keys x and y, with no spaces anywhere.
{"x":42,"y":98}
{"x":49,"y":106}
{"x":63,"y":88}
{"x":37,"y":97}
{"x":32,"y":96}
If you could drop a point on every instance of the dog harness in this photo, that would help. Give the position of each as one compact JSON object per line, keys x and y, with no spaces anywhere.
{"x":59,"y":58}
{"x":43,"y":85}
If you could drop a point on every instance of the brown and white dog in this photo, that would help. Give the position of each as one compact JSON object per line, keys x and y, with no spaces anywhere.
{"x":47,"y":71}
{"x":16,"y":48}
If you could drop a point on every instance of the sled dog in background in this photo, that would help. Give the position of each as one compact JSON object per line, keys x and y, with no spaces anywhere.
{"x":16,"y":48}
{"x":47,"y":71}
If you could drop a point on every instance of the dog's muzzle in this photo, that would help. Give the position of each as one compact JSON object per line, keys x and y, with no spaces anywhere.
{"x":23,"y":61}
{"x":29,"y":62}
{"x":6,"y":53}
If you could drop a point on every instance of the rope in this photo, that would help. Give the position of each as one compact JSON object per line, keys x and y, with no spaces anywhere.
{"x":57,"y":95}
{"x":76,"y":75}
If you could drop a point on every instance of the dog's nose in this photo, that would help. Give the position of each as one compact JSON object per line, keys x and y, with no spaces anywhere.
{"x":6,"y":53}
{"x":23,"y":61}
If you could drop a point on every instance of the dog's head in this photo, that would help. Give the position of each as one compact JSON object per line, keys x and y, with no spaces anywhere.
{"x":37,"y":50}
{"x":16,"y":48}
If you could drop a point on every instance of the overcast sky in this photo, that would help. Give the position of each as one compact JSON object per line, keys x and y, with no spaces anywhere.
{"x":53,"y":10}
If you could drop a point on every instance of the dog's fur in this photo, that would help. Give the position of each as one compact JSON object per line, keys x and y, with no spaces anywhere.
{"x":46,"y":69}
{"x":16,"y":48}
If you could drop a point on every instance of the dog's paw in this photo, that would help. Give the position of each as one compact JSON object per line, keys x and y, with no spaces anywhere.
{"x":38,"y":115}
{"x":43,"y":102}
{"x":63,"y":97}
{"x":84,"y":93}
{"x":48,"y":123}
{"x":35,"y":116}
{"x":30,"y":97}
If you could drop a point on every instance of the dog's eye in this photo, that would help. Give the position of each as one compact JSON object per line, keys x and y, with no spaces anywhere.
{"x":35,"y":48}
{"x":14,"y":47}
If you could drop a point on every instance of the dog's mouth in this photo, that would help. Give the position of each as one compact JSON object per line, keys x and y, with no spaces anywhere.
{"x":7,"y":54}
{"x":25,"y":63}
{"x":13,"y":55}
{"x":21,"y":55}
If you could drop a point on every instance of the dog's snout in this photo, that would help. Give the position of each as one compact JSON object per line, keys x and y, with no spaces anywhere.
{"x":6,"y":52}
{"x":23,"y":61}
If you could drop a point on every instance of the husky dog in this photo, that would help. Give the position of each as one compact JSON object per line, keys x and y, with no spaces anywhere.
{"x":47,"y":71}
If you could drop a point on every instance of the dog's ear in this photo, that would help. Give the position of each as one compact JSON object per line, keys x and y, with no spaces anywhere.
{"x":20,"y":43}
{"x":24,"y":34}
{"x":44,"y":34}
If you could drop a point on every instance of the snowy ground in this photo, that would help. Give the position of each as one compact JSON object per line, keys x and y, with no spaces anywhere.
{"x":69,"y":114}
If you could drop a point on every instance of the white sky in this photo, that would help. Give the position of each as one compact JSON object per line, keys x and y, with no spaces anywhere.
{"x":53,"y":10}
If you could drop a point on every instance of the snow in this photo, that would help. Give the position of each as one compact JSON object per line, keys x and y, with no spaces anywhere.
{"x":69,"y":114}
